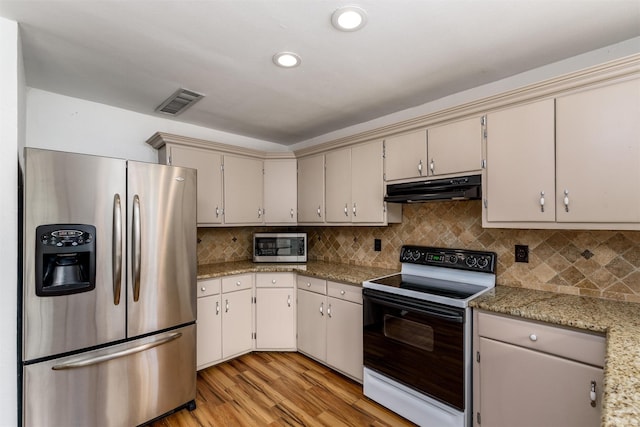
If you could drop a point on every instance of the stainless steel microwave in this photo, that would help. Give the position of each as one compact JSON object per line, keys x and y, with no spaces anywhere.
{"x":280,"y":247}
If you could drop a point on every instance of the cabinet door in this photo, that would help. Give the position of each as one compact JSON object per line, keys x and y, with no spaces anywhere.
{"x":338,"y":185}
{"x":236,"y":323}
{"x":367,"y":184}
{"x":598,"y":154}
{"x":243,"y":183}
{"x":280,"y":191}
{"x":311,"y":189}
{"x":455,"y":147}
{"x":209,"y":329}
{"x":209,"y":167}
{"x":275,"y":318}
{"x":521,"y":163}
{"x":406,"y":156}
{"x":312,"y":327}
{"x":526,"y":388}
{"x":344,"y":336}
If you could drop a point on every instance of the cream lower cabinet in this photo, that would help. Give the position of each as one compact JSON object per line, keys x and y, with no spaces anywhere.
{"x":275,"y":311}
{"x":529,"y":374}
{"x":209,"y":324}
{"x":237,"y":315}
{"x":330,"y":324}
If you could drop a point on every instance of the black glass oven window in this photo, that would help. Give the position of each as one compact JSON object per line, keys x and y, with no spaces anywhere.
{"x":420,"y":350}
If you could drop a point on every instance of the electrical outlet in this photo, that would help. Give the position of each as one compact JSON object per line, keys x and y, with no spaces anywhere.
{"x":522,"y":253}
{"x":377,"y":245}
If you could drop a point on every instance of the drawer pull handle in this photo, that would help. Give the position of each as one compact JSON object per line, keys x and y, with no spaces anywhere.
{"x":217,"y":307}
{"x":288,"y":300}
{"x":533,"y":337}
{"x":592,"y":394}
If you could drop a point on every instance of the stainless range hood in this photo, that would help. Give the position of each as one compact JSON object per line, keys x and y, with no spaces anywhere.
{"x":459,"y":188}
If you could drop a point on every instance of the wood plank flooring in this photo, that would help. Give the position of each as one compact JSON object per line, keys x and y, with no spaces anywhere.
{"x":279,"y":389}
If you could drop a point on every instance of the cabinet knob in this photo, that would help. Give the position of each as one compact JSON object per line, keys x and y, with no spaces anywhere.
{"x":308,"y":284}
{"x":238,"y":283}
{"x":341,"y":292}
{"x":203,"y":289}
{"x":533,"y":337}
{"x":273,"y":281}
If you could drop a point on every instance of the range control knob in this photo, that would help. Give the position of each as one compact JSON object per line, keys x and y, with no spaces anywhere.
{"x":471,"y":261}
{"x":452,"y":259}
{"x":483,"y":262}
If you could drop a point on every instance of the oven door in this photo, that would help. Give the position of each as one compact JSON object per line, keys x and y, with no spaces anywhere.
{"x":417,"y":343}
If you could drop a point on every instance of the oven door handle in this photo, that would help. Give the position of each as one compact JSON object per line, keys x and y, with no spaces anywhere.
{"x":403,"y":303}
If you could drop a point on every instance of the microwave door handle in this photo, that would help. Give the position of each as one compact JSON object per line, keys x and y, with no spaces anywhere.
{"x":116,"y":250}
{"x":135,"y":247}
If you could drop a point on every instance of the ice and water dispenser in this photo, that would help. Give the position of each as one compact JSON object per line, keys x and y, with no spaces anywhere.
{"x":65,"y":259}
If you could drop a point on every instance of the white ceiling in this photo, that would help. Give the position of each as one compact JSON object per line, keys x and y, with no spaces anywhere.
{"x":134,"y":54}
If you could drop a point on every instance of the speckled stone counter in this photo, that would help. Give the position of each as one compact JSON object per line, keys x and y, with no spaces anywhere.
{"x":619,"y":320}
{"x":351,"y":274}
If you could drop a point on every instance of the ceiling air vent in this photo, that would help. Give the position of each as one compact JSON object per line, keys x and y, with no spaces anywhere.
{"x":179,"y":101}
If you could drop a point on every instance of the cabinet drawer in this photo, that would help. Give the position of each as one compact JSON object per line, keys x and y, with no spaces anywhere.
{"x":274,"y":280}
{"x":208,"y":287}
{"x":580,"y":346}
{"x":346,"y":292}
{"x":312,"y":284}
{"x":236,"y":283}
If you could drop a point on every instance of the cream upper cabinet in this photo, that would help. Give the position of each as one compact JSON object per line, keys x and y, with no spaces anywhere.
{"x":455,"y":147}
{"x":598,"y":155}
{"x":338,"y":185}
{"x":520,"y":175}
{"x":367,"y":184}
{"x":406,"y":155}
{"x":354,"y":184}
{"x":243,"y":186}
{"x":209,"y":166}
{"x":280,"y":191}
{"x":311,"y":189}
{"x":572,"y":162}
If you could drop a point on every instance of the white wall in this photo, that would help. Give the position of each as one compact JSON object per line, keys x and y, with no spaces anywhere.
{"x":64,"y":123}
{"x":11,"y":78}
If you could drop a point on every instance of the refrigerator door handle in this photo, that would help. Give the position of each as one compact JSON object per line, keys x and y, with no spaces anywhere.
{"x":116,"y":258}
{"x":118,"y":354}
{"x":135,"y":247}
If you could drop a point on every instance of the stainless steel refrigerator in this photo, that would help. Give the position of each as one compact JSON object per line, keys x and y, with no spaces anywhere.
{"x":108,"y":290}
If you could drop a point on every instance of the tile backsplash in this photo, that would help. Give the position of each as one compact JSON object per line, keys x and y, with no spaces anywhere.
{"x":604,"y":264}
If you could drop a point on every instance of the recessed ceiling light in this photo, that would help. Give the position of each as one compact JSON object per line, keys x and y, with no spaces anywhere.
{"x":349,"y":18}
{"x":286,"y":59}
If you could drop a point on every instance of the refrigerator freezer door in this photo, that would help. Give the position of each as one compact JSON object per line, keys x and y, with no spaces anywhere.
{"x":123,"y":385}
{"x":162,"y":265}
{"x":65,"y":188}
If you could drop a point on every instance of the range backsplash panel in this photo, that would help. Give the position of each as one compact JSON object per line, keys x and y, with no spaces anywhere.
{"x":604,"y":264}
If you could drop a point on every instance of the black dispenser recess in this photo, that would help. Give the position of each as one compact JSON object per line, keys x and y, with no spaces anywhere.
{"x":65,"y":259}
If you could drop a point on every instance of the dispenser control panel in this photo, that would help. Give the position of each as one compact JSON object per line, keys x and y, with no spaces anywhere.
{"x":66,"y":238}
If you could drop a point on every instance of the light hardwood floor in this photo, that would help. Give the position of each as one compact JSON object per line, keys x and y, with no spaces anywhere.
{"x":279,"y":389}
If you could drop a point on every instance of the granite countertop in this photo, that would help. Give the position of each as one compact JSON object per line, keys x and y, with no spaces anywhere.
{"x":620,"y":321}
{"x":346,"y":273}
